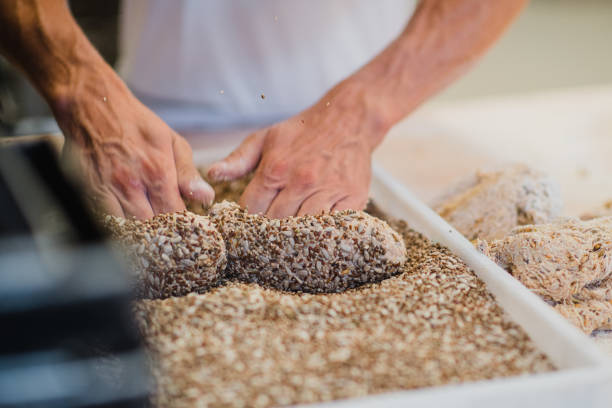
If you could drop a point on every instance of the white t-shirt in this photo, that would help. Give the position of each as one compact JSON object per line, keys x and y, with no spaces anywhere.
{"x":207,"y":63}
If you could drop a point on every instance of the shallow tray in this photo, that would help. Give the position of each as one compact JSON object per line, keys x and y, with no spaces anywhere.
{"x":584,"y":375}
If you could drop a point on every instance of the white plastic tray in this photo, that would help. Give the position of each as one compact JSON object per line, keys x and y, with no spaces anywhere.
{"x":584,"y":375}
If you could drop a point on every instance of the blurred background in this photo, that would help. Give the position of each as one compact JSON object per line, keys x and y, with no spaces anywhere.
{"x":554,"y":44}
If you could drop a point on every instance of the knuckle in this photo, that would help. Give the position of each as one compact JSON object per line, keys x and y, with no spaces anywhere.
{"x":275,"y":171}
{"x":272,"y":136}
{"x":305,"y":177}
{"x":123,"y":180}
{"x":155,"y":170}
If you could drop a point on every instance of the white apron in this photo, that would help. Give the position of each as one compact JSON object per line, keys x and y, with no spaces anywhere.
{"x":219,"y":64}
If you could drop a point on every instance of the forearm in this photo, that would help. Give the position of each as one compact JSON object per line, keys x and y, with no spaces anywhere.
{"x":43,"y":40}
{"x":131,"y":163}
{"x":442,"y":40}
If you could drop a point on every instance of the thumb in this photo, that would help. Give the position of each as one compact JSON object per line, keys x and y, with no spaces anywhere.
{"x":191,"y":184}
{"x":240,"y":161}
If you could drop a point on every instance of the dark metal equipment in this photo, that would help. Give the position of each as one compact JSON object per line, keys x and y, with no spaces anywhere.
{"x":66,"y":336}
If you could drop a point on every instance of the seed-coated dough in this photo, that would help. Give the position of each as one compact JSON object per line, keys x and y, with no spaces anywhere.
{"x":568,"y":263}
{"x":557,"y":260}
{"x":492,"y":204}
{"x":180,"y":253}
{"x":320,"y":253}
{"x":171,"y":254}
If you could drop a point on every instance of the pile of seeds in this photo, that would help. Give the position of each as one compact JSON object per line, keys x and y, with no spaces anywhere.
{"x":243,"y":345}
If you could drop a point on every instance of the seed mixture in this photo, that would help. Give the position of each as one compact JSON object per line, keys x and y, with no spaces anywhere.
{"x":241,"y":344}
{"x":513,"y":215}
{"x":568,"y":263}
{"x":605,"y":210}
{"x":488,"y":205}
{"x":313,"y":253}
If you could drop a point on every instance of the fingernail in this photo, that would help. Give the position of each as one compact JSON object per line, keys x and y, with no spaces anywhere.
{"x":202,"y":189}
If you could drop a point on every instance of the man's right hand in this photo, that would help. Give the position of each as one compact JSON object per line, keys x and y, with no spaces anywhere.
{"x":131,"y":162}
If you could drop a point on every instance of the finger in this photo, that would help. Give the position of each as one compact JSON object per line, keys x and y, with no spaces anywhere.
{"x":286,"y":203}
{"x":240,"y":161}
{"x":190,"y":183}
{"x":137,"y":206}
{"x":109,"y":204}
{"x":353,"y":202}
{"x":318,"y":203}
{"x":130,"y":192}
{"x":164,"y":195}
{"x":159,"y":178}
{"x":256,"y":197}
{"x":101,"y":201}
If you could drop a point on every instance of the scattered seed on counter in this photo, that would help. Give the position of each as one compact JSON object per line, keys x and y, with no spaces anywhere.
{"x":171,"y":254}
{"x":243,"y":345}
{"x":316,"y":254}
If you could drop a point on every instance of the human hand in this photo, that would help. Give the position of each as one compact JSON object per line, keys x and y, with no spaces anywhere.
{"x":318,"y":160}
{"x":130,"y":161}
